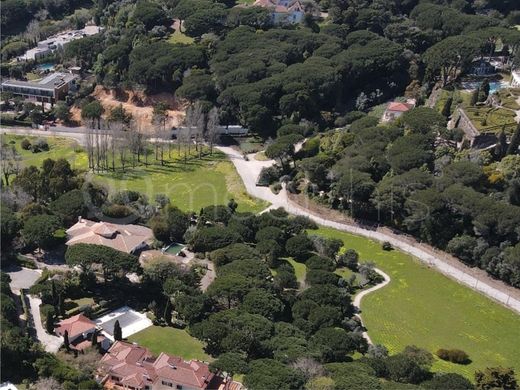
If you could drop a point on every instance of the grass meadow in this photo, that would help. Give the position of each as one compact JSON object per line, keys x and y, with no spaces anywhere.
{"x":190,"y":186}
{"x":172,"y":341}
{"x":423,"y":307}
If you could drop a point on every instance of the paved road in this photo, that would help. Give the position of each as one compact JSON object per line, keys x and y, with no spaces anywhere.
{"x":357,"y":299}
{"x":23,"y":278}
{"x":249,"y":170}
{"x":76,"y":133}
{"x":50,"y":343}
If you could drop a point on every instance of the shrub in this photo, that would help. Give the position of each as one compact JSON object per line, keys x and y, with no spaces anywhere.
{"x":453,"y":355}
{"x":117,"y":211}
{"x":268,"y":175}
{"x":321,"y":263}
{"x":25,"y":144}
{"x":318,"y":277}
{"x":41,"y":144}
{"x":387,"y":246}
{"x":277,"y":187}
{"x":125,"y":197}
{"x":349,"y":259}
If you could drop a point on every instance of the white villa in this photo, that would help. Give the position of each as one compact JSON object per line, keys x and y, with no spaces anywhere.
{"x":283,"y":11}
{"x":58,"y":41}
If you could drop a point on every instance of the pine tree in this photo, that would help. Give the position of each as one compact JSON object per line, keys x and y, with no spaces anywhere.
{"x":515,"y":141}
{"x":66,"y":340}
{"x":118,"y":333}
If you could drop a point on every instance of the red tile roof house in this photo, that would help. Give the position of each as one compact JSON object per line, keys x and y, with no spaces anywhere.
{"x":124,"y":238}
{"x":395,"y":109}
{"x":80,"y":330}
{"x":130,"y":367}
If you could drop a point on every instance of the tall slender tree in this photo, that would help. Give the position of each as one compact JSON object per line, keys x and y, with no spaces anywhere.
{"x":66,"y":341}
{"x":515,"y":141}
{"x":118,"y":333}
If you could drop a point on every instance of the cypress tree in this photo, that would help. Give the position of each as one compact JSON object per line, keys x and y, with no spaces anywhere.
{"x":118,"y":333}
{"x":49,"y":323}
{"x":446,"y":110}
{"x":474,"y":97}
{"x":61,"y":305}
{"x":94,"y":338}
{"x":483,"y":91}
{"x":168,"y":312}
{"x":515,"y":141}
{"x":501,"y":145}
{"x":66,"y":340}
{"x":54,"y":293}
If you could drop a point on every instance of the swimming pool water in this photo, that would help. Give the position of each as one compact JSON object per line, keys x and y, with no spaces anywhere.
{"x":45,"y":66}
{"x":174,"y":249}
{"x":494,"y":86}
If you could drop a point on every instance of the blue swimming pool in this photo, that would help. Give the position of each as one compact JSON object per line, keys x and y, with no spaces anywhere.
{"x":494,"y":86}
{"x":45,"y":66}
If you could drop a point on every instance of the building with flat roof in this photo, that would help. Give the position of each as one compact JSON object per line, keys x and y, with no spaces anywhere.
{"x":51,"y":88}
{"x":58,"y":41}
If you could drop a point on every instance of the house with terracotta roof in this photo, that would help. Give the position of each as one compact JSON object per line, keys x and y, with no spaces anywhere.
{"x":80,"y":330}
{"x":283,"y":11}
{"x":124,"y":238}
{"x":395,"y":109}
{"x":130,"y":366}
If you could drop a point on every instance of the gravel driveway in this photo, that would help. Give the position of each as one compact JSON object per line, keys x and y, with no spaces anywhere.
{"x":23,"y":278}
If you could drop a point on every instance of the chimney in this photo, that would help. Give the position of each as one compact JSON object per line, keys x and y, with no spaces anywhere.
{"x":80,"y":219}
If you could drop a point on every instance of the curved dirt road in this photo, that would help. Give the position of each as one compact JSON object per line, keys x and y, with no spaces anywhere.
{"x":249,"y":171}
{"x":358,"y":297}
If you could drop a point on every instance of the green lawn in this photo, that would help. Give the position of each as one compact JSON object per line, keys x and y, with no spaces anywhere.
{"x":459,"y":97}
{"x":71,"y":304}
{"x":191,"y":186}
{"x":172,"y":341}
{"x":421,"y":306}
{"x":300,"y":270}
{"x":58,"y":148}
{"x":179,"y":37}
{"x":344,"y":272}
